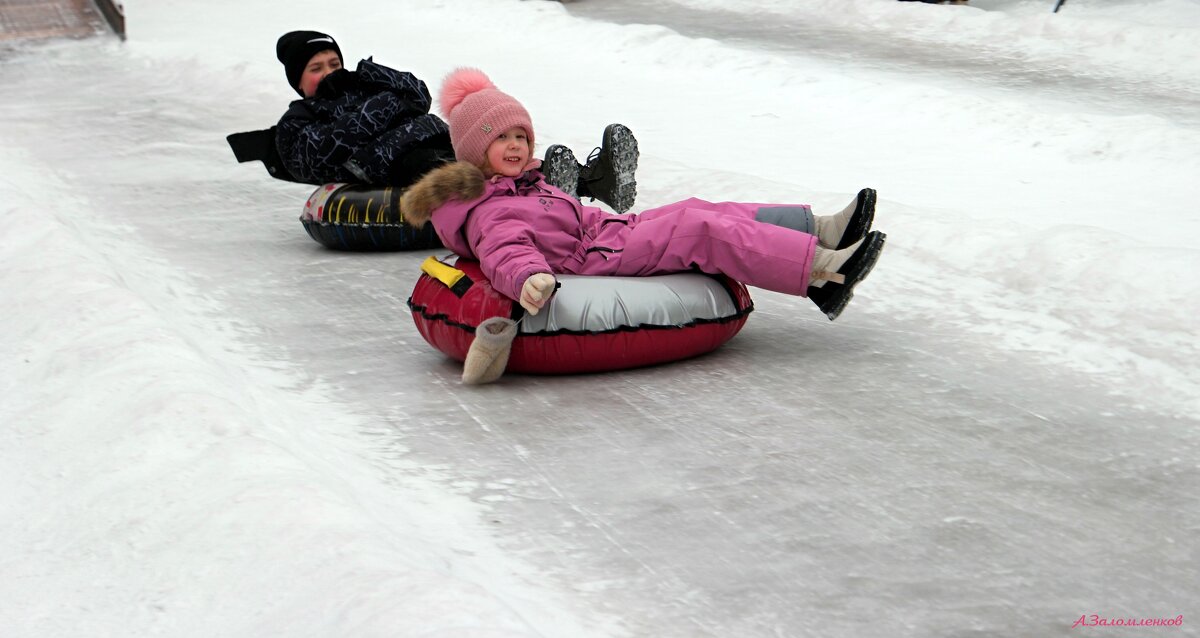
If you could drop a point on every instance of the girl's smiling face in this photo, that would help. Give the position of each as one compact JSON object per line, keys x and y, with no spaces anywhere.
{"x":508,"y":154}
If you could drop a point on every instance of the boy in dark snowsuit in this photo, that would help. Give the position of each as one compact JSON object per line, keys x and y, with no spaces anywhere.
{"x":370,"y":126}
{"x":373,"y":126}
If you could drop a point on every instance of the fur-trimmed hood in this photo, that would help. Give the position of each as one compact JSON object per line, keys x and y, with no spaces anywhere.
{"x":454,"y":181}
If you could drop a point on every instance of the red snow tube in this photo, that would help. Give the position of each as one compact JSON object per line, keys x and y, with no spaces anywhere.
{"x":592,"y":324}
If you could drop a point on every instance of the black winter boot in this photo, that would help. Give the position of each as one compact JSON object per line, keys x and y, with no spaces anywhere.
{"x":609,"y":174}
{"x":832,"y":290}
{"x":562,"y":170}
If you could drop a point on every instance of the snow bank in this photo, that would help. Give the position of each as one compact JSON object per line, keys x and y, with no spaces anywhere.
{"x":157,"y":480}
{"x":1157,"y":38}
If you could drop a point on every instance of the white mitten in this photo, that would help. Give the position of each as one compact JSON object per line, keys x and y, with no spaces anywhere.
{"x":536,"y":292}
{"x":489,"y":352}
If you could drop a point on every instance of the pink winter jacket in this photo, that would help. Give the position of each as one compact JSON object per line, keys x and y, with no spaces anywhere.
{"x":514,"y":227}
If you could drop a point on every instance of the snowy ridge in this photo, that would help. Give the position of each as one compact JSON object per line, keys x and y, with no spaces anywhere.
{"x":1133,"y":39}
{"x":1032,"y":302}
{"x":158,"y":482}
{"x":1083,"y":296}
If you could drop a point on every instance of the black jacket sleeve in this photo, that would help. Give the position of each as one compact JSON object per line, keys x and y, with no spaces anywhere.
{"x":407,"y":87}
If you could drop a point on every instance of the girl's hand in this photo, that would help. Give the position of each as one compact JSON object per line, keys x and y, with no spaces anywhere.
{"x":536,"y":292}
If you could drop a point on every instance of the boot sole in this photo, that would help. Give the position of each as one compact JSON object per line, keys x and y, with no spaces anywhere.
{"x":860,"y":222}
{"x":624,"y":147}
{"x":563,"y":175}
{"x":832,"y":298}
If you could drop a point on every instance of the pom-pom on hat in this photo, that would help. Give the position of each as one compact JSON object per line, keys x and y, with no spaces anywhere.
{"x":478,"y":113}
{"x":295,"y":48}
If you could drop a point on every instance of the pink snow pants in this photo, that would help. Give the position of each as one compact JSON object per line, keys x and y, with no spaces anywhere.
{"x":721,"y":238}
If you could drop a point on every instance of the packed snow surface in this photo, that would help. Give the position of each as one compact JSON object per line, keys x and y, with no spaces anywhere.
{"x":213,"y":426}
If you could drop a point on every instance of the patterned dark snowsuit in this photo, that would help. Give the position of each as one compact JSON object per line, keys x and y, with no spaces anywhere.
{"x":377,"y":131}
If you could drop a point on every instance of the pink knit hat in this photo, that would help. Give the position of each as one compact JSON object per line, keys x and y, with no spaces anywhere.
{"x":478,"y":113}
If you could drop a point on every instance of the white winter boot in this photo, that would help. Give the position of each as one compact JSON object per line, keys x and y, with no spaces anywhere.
{"x":844,"y":229}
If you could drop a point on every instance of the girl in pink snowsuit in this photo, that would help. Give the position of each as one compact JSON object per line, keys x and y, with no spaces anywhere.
{"x":494,"y":206}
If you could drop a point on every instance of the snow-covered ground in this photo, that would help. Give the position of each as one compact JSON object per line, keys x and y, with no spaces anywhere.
{"x":212,"y":426}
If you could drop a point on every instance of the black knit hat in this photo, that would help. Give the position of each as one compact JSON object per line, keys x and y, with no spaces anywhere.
{"x":296,"y":48}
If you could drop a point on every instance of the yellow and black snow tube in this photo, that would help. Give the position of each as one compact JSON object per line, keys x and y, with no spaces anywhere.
{"x":362,"y":218}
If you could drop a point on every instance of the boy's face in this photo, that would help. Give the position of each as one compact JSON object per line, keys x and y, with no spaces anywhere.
{"x":508,"y":154}
{"x":318,"y":67}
